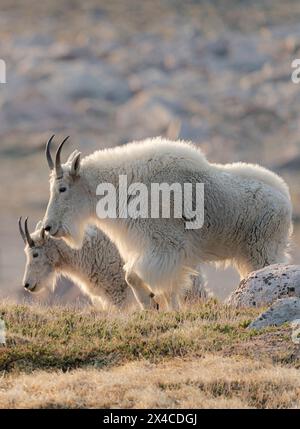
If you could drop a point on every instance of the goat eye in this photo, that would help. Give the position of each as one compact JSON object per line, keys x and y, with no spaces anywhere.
{"x":35,"y":255}
{"x":62,"y":189}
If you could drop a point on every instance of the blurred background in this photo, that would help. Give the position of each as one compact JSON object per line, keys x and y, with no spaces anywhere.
{"x":106,"y":73}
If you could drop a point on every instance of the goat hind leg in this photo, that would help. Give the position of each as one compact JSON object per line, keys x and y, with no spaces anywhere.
{"x":142,"y":293}
{"x":172,"y":301}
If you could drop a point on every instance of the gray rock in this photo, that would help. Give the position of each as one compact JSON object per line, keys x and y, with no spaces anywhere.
{"x":194,"y":133}
{"x":83,"y":80}
{"x":147,"y":79}
{"x":146,"y":114}
{"x":219,"y":47}
{"x":291,"y":165}
{"x":282,"y":311}
{"x":265,"y":286}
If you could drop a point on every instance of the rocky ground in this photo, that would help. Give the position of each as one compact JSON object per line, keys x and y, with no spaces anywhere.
{"x":110,"y":73}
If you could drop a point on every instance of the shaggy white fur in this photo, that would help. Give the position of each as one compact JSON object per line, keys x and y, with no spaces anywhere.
{"x":96,"y":268}
{"x":247,"y":211}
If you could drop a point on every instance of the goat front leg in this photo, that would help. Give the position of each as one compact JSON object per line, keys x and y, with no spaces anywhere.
{"x":98,"y":303}
{"x":142,"y":293}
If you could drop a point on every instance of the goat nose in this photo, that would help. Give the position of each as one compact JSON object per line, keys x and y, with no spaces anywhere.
{"x":26,"y":285}
{"x":48,"y":228}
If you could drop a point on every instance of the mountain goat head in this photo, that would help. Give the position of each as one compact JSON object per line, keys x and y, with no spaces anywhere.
{"x":40,"y":257}
{"x":68,"y":196}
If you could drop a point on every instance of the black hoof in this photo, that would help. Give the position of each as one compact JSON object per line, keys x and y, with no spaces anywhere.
{"x":154,"y":303}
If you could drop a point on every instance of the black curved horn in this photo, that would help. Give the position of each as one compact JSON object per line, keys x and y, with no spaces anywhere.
{"x":28,"y":237}
{"x":48,"y":153}
{"x":21,"y":230}
{"x":58,"y":168}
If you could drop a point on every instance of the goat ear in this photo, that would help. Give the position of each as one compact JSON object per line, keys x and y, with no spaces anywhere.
{"x":75,"y":165}
{"x":39,"y":225}
{"x":71,"y":156}
{"x":43,"y":234}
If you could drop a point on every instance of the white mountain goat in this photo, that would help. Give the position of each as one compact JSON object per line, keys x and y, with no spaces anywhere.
{"x":96,"y":267}
{"x":247,"y":213}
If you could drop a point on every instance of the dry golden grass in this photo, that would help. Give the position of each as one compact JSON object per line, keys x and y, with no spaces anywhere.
{"x":210,"y":382}
{"x":203,"y":356}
